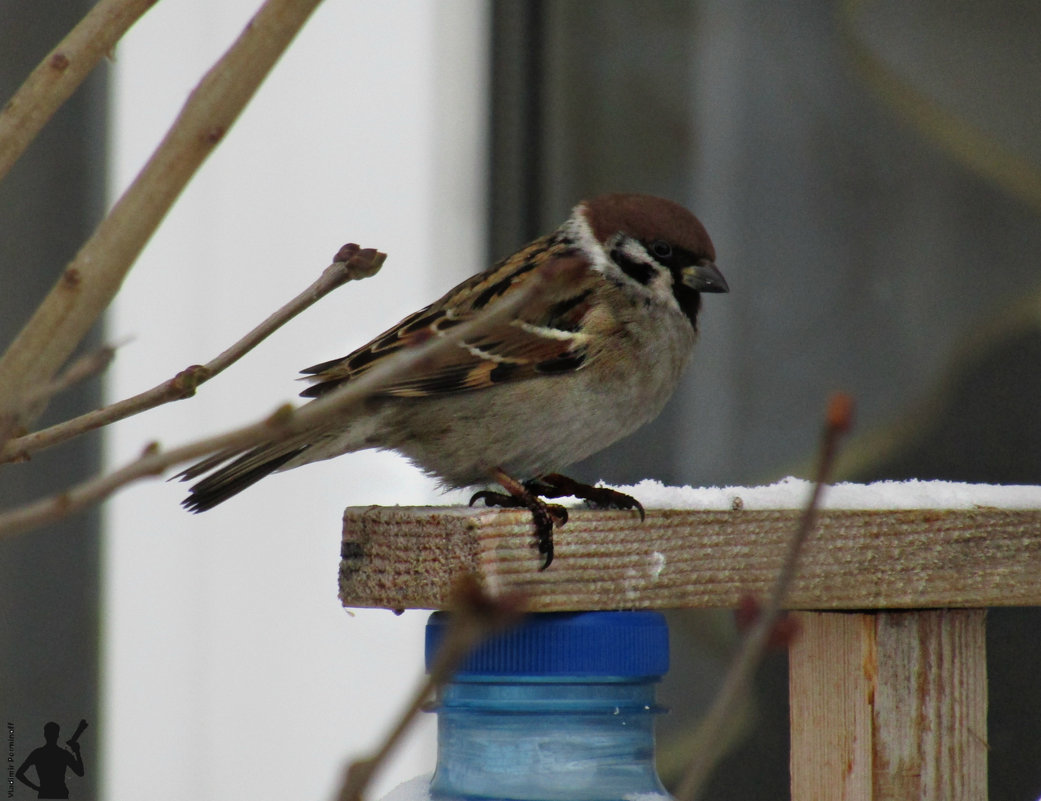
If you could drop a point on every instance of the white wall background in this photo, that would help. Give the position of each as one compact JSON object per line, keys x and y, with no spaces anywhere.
{"x":231,"y":670}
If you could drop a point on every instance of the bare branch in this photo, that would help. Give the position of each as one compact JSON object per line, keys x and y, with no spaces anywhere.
{"x":707,"y":744}
{"x":80,"y":370}
{"x":475,"y":616}
{"x":286,"y":421}
{"x":91,"y":280}
{"x":61,"y":72}
{"x":351,"y":263}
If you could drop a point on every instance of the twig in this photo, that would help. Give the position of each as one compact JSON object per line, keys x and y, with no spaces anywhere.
{"x":350,"y":263}
{"x":91,"y":280}
{"x":61,"y":72}
{"x":707,"y":744}
{"x":80,"y":370}
{"x":475,"y":616}
{"x":286,"y":421}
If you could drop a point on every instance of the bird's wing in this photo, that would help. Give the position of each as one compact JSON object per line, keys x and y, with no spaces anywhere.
{"x":550,"y":334}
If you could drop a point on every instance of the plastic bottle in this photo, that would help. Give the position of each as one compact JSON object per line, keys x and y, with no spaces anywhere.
{"x":560,"y":708}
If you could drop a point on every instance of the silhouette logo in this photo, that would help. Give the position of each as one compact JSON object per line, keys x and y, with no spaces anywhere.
{"x":51,"y":761}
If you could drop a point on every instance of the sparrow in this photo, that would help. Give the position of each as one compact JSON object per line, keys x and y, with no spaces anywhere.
{"x":570,"y":371}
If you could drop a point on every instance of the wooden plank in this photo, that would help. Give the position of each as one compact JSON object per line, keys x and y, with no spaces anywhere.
{"x":889,"y":706}
{"x":829,"y":687}
{"x":404,"y":557}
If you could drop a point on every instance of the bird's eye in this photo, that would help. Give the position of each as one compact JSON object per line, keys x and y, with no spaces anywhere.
{"x":661,"y":249}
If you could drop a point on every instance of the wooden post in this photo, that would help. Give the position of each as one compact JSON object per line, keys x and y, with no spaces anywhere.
{"x":889,"y":706}
{"x":885,"y":704}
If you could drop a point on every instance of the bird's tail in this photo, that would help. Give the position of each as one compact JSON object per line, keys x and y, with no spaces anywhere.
{"x":247,"y":469}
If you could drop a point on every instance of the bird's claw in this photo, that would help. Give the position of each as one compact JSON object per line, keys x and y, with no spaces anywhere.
{"x":492,"y":498}
{"x":544,"y":515}
{"x":555,"y":485}
{"x":604,"y":498}
{"x":547,"y":515}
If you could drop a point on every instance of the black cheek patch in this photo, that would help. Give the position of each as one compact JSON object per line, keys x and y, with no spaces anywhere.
{"x":639,"y":271}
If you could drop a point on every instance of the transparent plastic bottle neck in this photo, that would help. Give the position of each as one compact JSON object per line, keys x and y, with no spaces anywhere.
{"x":539,"y":739}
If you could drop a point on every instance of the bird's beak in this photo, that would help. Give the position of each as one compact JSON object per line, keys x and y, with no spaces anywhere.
{"x":704,"y":277}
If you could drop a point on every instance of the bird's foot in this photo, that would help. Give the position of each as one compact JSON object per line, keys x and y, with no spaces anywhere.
{"x":554,"y":485}
{"x":547,"y":515}
{"x":544,"y":515}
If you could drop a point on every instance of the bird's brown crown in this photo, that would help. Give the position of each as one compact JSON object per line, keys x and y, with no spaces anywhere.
{"x":648,"y":218}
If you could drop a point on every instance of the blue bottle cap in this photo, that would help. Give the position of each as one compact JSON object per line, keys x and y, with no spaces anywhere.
{"x":567,"y":644}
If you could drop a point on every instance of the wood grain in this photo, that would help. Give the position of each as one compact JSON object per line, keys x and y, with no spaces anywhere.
{"x":889,"y":706}
{"x":408,"y":557}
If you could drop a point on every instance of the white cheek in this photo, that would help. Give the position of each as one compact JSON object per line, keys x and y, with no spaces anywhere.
{"x":634,"y":250}
{"x":660,"y":286}
{"x":579,"y":229}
